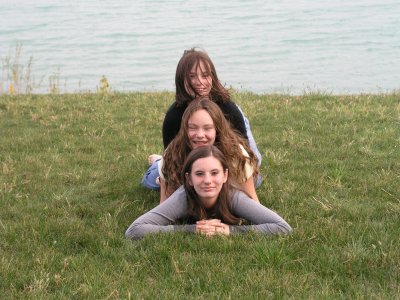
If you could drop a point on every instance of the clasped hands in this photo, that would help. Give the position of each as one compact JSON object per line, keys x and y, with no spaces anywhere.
{"x":212,"y":227}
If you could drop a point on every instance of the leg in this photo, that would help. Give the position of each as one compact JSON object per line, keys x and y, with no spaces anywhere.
{"x":150,"y":178}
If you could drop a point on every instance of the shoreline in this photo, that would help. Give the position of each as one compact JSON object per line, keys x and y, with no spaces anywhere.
{"x":232,"y":91}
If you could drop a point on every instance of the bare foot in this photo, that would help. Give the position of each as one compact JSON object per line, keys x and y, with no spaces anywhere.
{"x":153,"y":157}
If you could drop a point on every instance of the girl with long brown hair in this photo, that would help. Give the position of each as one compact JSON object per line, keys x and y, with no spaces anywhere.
{"x":203,"y":123}
{"x":208,"y":203}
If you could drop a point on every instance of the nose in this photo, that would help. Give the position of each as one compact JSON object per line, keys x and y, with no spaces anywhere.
{"x":199,"y":81}
{"x":195,"y":80}
{"x":203,"y":81}
{"x":199,"y":133}
{"x":207,"y":178}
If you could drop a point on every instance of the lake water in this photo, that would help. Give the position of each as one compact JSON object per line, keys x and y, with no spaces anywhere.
{"x":263,"y":46}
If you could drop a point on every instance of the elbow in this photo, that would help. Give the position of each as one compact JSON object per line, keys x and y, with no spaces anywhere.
{"x":133,"y":232}
{"x":285,"y":228}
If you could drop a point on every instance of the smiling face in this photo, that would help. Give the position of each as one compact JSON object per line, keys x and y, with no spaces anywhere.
{"x":207,"y":178}
{"x":200,"y":80}
{"x":201,"y":129}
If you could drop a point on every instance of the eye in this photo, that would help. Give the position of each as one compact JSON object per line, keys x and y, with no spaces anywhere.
{"x":199,"y":173}
{"x":214,"y":173}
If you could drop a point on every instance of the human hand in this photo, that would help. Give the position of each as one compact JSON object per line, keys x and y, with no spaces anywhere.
{"x":212,"y":227}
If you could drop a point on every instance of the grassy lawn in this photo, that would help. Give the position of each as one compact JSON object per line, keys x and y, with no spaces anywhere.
{"x":70,"y":171}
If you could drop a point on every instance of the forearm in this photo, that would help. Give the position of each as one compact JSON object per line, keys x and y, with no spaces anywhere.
{"x":161,"y":218}
{"x":139,"y":230}
{"x":264,"y":220}
{"x":267,"y":228}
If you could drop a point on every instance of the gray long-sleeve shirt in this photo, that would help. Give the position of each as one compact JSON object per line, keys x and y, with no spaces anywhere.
{"x":163,"y":217}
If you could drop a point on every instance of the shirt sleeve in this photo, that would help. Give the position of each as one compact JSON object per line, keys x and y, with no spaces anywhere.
{"x":162,"y":218}
{"x":172,"y":123}
{"x":234,"y":116}
{"x":262,"y":219}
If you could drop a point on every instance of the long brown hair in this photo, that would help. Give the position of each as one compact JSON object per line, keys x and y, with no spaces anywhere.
{"x":196,"y":209}
{"x":227,"y":141}
{"x":192,"y":58}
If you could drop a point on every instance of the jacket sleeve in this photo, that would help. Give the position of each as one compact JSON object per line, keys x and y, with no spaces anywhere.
{"x":162,"y":218}
{"x":171,"y":124}
{"x":262,"y":219}
{"x":235,"y":117}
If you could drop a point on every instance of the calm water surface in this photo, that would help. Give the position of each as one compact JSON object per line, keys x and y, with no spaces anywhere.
{"x":263,"y":46}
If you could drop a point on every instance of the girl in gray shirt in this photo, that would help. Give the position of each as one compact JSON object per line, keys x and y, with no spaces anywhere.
{"x":210,"y":202}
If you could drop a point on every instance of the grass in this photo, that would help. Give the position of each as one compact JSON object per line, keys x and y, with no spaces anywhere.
{"x":70,"y":170}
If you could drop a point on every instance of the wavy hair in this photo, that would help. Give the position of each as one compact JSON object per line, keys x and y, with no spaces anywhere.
{"x":196,"y":209}
{"x":192,"y":58}
{"x":227,"y":140}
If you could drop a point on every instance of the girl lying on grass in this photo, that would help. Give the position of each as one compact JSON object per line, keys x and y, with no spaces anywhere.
{"x":196,"y":76}
{"x":203,"y":123}
{"x":209,"y":203}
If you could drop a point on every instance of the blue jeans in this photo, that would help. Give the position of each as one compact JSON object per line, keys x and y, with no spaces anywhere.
{"x":149,"y":179}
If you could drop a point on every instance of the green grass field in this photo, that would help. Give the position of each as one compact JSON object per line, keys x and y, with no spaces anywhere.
{"x":70,"y":171}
